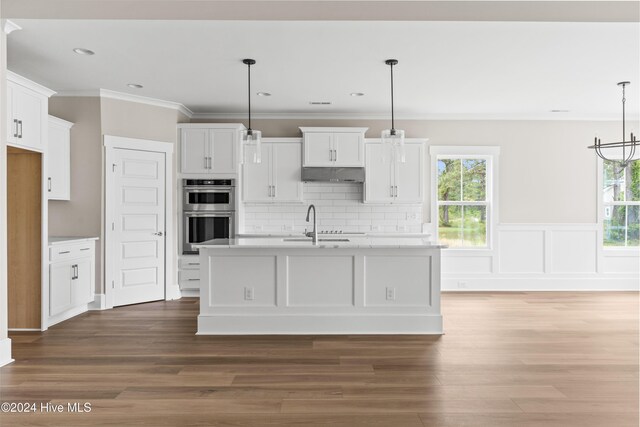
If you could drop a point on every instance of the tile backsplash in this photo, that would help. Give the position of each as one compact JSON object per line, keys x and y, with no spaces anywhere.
{"x":339,"y":207}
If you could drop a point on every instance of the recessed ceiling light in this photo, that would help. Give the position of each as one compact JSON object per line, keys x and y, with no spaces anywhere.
{"x":320,"y":102}
{"x":135,"y":86}
{"x":81,"y":51}
{"x":559,"y":111}
{"x":357,"y":94}
{"x":263,"y":94}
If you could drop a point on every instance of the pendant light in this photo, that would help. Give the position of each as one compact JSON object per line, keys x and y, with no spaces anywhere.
{"x":628,"y":147}
{"x":394,"y":138}
{"x":251,"y":138}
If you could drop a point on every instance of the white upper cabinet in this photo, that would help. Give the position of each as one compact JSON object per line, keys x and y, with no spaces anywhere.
{"x":378,"y":175}
{"x":387,"y":181}
{"x":59,"y":159}
{"x":195,"y":150}
{"x":333,"y":147}
{"x":27,"y":113}
{"x":277,"y":177}
{"x":209,"y":148}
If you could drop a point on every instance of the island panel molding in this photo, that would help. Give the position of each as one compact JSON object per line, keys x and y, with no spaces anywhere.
{"x":272,"y":286}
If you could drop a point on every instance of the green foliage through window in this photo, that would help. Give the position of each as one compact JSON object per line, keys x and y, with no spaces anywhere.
{"x":621,"y":198}
{"x":462,"y":202}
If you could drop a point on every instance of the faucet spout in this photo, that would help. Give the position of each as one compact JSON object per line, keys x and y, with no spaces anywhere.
{"x":313,"y":234}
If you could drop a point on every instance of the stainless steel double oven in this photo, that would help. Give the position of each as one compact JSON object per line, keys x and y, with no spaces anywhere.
{"x":208,"y":210}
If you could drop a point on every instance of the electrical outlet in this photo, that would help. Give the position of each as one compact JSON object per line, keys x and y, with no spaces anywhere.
{"x":257,"y":228}
{"x":401,"y":228}
{"x":462,"y":285}
{"x":287,"y":227}
{"x":412,"y":215}
{"x":376,"y":228}
{"x":391,"y":294}
{"x":248,"y":293}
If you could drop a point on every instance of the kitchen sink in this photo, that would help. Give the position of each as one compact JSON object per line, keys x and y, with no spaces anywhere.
{"x":308,"y":239}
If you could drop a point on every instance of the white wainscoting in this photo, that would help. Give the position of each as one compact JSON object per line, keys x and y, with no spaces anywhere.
{"x":563,"y":257}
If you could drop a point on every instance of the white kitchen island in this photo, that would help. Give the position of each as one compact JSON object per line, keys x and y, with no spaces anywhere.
{"x":364,"y":285}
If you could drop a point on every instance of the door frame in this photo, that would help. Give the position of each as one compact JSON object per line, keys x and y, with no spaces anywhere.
{"x":111,"y":143}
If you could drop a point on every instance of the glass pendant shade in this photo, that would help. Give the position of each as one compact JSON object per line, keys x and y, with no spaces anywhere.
{"x":394,"y":138}
{"x":252,"y":146}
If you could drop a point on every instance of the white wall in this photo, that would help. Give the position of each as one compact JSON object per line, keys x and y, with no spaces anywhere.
{"x":5,"y":342}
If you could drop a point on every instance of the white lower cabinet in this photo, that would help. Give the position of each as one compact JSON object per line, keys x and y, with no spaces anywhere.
{"x":277,"y":178}
{"x":189,"y":273}
{"x":71,"y":279}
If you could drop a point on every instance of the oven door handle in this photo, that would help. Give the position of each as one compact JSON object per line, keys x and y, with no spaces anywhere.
{"x":201,"y":214}
{"x":216,"y":189}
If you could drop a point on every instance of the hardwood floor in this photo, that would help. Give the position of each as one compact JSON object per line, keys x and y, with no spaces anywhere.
{"x":507,"y":359}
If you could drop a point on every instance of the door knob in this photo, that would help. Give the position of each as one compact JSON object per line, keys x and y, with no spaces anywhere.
{"x":159,"y":233}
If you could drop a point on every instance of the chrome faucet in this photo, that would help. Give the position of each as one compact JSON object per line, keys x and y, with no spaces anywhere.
{"x":313,"y":234}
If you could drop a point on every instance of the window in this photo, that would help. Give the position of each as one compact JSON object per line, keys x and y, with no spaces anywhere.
{"x":621,"y":204}
{"x":463,"y":195}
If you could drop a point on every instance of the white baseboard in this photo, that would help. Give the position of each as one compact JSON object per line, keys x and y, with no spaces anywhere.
{"x":339,"y":324}
{"x":517,"y":284}
{"x":67,"y":314}
{"x":5,"y":351}
{"x":173,"y":292}
{"x":99,"y":303}
{"x":190,"y":293}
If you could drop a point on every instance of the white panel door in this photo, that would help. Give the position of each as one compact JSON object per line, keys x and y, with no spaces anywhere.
{"x":223,"y":150}
{"x":378,"y":175}
{"x":348,"y":149}
{"x":408,"y":175}
{"x":137,"y":205}
{"x":318,"y":149}
{"x":256,"y":177}
{"x":195,"y":151}
{"x":286,"y":162}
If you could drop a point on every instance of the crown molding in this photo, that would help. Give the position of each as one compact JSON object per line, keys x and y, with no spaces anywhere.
{"x":105,"y":93}
{"x":23,"y":81}
{"x":9,"y":26}
{"x":356,"y":116}
{"x":121,"y":96}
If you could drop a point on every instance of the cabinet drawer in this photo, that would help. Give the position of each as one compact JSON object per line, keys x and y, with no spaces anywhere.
{"x":189,"y":279}
{"x":63,"y":252}
{"x":192,"y":263}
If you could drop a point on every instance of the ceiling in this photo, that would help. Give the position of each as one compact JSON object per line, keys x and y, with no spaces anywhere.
{"x":511,"y":70}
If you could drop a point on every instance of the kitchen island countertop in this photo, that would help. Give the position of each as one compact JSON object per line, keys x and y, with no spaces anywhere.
{"x":324,"y":242}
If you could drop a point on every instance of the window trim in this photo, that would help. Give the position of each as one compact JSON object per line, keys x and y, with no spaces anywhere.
{"x":489,"y":153}
{"x":610,"y":250}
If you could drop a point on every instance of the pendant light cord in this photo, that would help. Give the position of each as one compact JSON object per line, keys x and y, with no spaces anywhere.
{"x":249,"y":94}
{"x":393,"y":127}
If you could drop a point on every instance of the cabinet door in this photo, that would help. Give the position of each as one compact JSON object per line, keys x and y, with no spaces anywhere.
{"x":378,"y":174}
{"x":195,"y":151}
{"x":408,"y":175}
{"x":83,"y":283}
{"x":349,"y":149}
{"x":223,"y":150}
{"x":286,"y":172}
{"x":59,"y":163}
{"x":29,"y":109}
{"x":318,"y":149}
{"x":60,"y":287}
{"x":256,"y":178}
{"x":12,"y":132}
